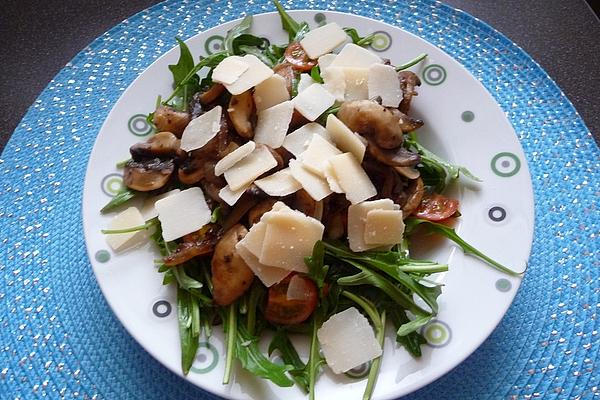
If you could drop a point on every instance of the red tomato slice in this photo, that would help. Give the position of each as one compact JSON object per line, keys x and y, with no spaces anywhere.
{"x":284,"y":311}
{"x":295,"y":55}
{"x":436,"y":207}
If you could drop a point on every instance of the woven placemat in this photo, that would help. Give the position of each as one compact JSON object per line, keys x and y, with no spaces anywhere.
{"x":58,"y":337}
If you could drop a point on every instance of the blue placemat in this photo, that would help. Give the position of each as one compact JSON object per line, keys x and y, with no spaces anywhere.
{"x":58,"y":336}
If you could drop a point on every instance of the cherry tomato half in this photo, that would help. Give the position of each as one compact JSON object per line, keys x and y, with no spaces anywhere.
{"x":284,"y":311}
{"x":295,"y":55}
{"x":436,"y":207}
{"x":286,"y":70}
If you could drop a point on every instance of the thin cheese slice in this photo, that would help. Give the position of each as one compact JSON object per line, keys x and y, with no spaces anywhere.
{"x":313,"y":101}
{"x":356,"y":83}
{"x":270,"y":92}
{"x":344,"y":138}
{"x":335,"y":82}
{"x":355,"y":56}
{"x":297,"y":289}
{"x":255,"y":238}
{"x":347,"y":340}
{"x":325,"y":61}
{"x":280,"y":184}
{"x":201,"y":129}
{"x":128,"y":218}
{"x":231,"y":196}
{"x":384,"y":227}
{"x":148,"y":210}
{"x":229,"y":70}
{"x":273,"y":124}
{"x":289,"y":237}
{"x":182,"y":213}
{"x":315,"y":186}
{"x":297,"y":141}
{"x":383,"y":82}
{"x":357,"y":219}
{"x":304,"y":82}
{"x":323,"y":40}
{"x":353,"y":180}
{"x":331,"y":178}
{"x":319,"y":151}
{"x":232,"y":158}
{"x":256,"y":73}
{"x":244,"y":172}
{"x":267,"y":275}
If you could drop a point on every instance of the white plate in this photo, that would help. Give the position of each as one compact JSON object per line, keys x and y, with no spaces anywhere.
{"x":462,"y":123}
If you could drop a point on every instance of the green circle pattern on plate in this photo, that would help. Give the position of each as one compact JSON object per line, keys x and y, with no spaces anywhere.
{"x":437,"y":333}
{"x":381,"y":41}
{"x":102,"y":256}
{"x":434,"y":74}
{"x":139,"y":126}
{"x":320,"y":19}
{"x":213,"y":44}
{"x":207,"y":358}
{"x":503,"y":285}
{"x":111,"y":184}
{"x":505,"y":164}
{"x":359,"y":372}
{"x":467,"y":116}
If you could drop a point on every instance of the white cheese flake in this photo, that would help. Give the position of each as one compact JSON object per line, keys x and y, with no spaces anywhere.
{"x":384,"y":227}
{"x":232,"y":158}
{"x":297,"y":141}
{"x":332,"y":179}
{"x":352,"y":178}
{"x":267,"y":275}
{"x":313,"y":101}
{"x":357,"y":87}
{"x":323,"y":40}
{"x":148,"y":210}
{"x":230,"y":196}
{"x":325,"y":61}
{"x":305,"y":81}
{"x":315,"y":157}
{"x":279,"y":184}
{"x":270,"y":92}
{"x":182,"y":213}
{"x":129,"y":218}
{"x":348,"y":340}
{"x":229,"y":70}
{"x":355,"y":56}
{"x":256,"y":73}
{"x":344,"y":138}
{"x":383,"y":82}
{"x":244,"y":172}
{"x":273,"y":124}
{"x":357,"y":219}
{"x":201,"y":130}
{"x":315,"y":186}
{"x":334,"y":80}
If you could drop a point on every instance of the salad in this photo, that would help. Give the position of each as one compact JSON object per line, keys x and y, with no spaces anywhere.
{"x":283,"y":187}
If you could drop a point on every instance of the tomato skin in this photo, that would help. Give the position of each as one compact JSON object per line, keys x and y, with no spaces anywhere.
{"x":295,"y":55}
{"x":286,"y":70}
{"x":436,"y":207}
{"x":282,"y":311}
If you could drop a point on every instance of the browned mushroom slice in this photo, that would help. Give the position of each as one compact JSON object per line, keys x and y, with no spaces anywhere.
{"x":408,"y":81}
{"x":241,"y":110}
{"x":407,"y":124}
{"x":256,"y":212}
{"x":211,"y":94}
{"x":195,"y":244}
{"x":286,"y":70}
{"x":415,"y":192}
{"x":191,"y":170}
{"x":399,"y":157}
{"x":304,"y":203}
{"x":335,"y":216}
{"x":168,"y":119}
{"x":149,"y":174}
{"x":231,"y":277}
{"x":162,"y":144}
{"x":249,"y":199}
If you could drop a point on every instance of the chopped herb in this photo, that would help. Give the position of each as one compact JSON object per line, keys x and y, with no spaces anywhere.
{"x":124,"y":195}
{"x":412,"y":62}
{"x":357,"y":39}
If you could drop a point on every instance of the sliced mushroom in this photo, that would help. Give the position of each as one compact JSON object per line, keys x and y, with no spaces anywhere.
{"x":408,"y":81}
{"x":408,"y":172}
{"x":231,"y":277}
{"x":241,"y":110}
{"x":148,"y":174}
{"x":195,"y":244}
{"x":286,"y":70}
{"x":372,"y":121}
{"x":416,"y":190}
{"x":256,"y":212}
{"x":211,"y":94}
{"x":335,"y":216}
{"x":249,"y":199}
{"x":407,"y":124}
{"x":168,"y":119}
{"x":399,"y":157}
{"x":161,"y":145}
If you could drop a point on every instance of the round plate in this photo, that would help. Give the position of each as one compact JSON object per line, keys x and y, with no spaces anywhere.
{"x":462,"y":123}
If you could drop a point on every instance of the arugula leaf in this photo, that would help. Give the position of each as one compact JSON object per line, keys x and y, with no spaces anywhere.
{"x":184,"y":87}
{"x":235,"y":32}
{"x":165,"y":248}
{"x":282,"y":343}
{"x":450,"y":233}
{"x":258,"y":53}
{"x":230,"y":327}
{"x":255,"y":297}
{"x":317,"y":271}
{"x":315,"y":74}
{"x":124,"y":195}
{"x":294,"y":29}
{"x":188,"y":316}
{"x":412,"y":62}
{"x":150,"y":223}
{"x":331,"y":110}
{"x":357,"y":39}
{"x":246,"y":39}
{"x":314,"y":357}
{"x":412,"y":341}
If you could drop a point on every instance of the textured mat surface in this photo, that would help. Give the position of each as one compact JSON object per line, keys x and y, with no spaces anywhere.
{"x":59,"y":339}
